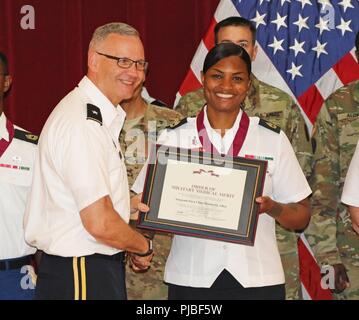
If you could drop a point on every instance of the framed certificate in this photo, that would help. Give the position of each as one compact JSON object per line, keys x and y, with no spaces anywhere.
{"x":203,"y":195}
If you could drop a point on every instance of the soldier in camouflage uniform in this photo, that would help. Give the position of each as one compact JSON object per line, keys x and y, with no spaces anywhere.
{"x":143,"y":124}
{"x":324,"y":181}
{"x":343,"y":108}
{"x":277,"y":107}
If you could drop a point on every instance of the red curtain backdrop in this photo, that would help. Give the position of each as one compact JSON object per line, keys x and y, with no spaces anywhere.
{"x":48,"y":61}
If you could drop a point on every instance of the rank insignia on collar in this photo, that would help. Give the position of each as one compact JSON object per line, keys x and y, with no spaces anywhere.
{"x":32,"y":137}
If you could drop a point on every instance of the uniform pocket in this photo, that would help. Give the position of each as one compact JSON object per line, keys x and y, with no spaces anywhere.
{"x":16,"y":175}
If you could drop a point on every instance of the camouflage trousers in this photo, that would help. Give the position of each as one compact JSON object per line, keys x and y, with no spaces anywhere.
{"x":351,"y":293}
{"x":288,"y":249}
{"x":348,"y":244}
{"x":149,"y":285}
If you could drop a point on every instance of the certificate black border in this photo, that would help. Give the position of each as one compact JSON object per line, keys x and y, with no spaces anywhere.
{"x":152,"y":195}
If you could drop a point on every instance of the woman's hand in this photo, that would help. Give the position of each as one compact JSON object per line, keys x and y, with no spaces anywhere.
{"x":269,"y":206}
{"x":136,"y":205}
{"x":293,"y":216}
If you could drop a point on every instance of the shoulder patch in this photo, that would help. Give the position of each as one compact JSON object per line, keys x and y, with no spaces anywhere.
{"x":269,"y":125}
{"x":94,"y":113}
{"x":26,"y":136}
{"x":177,"y":124}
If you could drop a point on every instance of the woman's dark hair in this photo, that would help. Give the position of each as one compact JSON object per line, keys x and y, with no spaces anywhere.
{"x":225,"y":50}
{"x":4,"y":63}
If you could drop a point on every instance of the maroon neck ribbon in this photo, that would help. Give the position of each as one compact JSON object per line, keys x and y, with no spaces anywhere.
{"x":237,"y":141}
{"x":3,"y":143}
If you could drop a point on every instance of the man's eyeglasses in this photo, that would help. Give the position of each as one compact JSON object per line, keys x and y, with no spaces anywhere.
{"x":126,"y":63}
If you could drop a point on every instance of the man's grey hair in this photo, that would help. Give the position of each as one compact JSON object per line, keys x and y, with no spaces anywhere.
{"x":120,"y":28}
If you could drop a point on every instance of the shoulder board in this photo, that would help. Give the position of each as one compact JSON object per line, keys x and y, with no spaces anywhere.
{"x":158,"y":103}
{"x":177,"y":124}
{"x":94,"y":113}
{"x":269,"y":125}
{"x":26,"y":136}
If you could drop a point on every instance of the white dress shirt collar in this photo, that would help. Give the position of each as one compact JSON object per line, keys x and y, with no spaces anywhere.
{"x":4,"y":134}
{"x":222,"y":144}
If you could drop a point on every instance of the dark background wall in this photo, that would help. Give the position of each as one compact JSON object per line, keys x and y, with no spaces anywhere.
{"x":48,"y":61}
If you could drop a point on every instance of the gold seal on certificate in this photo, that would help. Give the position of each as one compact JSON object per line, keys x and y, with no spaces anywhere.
{"x":202,"y":195}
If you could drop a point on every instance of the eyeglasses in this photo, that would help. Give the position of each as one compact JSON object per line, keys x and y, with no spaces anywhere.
{"x":126,"y":63}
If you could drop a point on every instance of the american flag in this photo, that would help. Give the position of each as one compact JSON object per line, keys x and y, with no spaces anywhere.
{"x":306,"y":48}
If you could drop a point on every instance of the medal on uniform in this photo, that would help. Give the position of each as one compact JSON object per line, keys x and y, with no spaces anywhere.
{"x":237,"y":141}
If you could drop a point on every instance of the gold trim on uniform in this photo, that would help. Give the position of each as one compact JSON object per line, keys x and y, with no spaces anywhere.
{"x":83,"y":278}
{"x":76,"y":278}
{"x":31,"y":137}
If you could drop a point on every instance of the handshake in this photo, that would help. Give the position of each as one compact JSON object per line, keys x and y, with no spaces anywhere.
{"x":140,"y":262}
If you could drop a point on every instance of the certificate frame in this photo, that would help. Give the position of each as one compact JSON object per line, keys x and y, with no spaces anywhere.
{"x":155,"y":192}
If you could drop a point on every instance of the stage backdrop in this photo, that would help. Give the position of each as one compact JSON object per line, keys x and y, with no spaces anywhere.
{"x":46,"y":42}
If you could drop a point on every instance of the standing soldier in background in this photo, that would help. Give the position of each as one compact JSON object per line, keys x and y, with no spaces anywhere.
{"x":17,"y":155}
{"x":343,"y":108}
{"x":273,"y":105}
{"x":143,"y":124}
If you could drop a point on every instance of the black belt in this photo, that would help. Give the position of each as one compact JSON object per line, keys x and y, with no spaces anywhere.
{"x":116,"y":257}
{"x":16,"y":263}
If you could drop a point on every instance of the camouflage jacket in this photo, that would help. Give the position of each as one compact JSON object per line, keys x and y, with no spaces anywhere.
{"x":343,"y":124}
{"x":138,"y":134}
{"x":135,"y":138}
{"x":324,"y":181}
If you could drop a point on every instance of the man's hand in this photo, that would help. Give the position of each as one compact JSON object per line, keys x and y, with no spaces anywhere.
{"x":341,"y":278}
{"x":140,"y":264}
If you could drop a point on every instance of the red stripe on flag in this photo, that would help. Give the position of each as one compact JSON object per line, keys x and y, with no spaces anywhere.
{"x":311,"y":101}
{"x":190,"y":83}
{"x":209,"y":37}
{"x":310,"y":274}
{"x":347,"y":69}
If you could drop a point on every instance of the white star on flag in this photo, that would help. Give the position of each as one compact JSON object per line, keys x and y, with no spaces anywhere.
{"x":277,"y":45}
{"x":301,"y":22}
{"x":320,"y":48}
{"x":280,"y":21}
{"x":297,"y":47}
{"x":304,"y":2}
{"x":259,"y":19}
{"x":322,"y":25}
{"x":284,"y":1}
{"x":346,"y":4}
{"x":344,"y":26}
{"x":294,"y":71}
